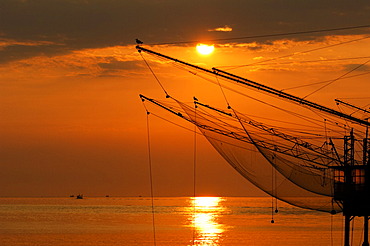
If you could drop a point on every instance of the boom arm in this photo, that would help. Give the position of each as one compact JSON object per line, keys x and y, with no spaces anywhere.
{"x":313,"y":161}
{"x":352,"y":106}
{"x":261,"y":87}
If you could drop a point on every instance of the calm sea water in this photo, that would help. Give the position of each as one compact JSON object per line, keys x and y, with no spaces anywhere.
{"x":177,"y":221}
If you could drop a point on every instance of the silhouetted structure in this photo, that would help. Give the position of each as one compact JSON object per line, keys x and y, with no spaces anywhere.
{"x":340,"y":181}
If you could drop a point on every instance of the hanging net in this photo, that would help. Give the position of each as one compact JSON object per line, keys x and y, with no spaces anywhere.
{"x":286,"y":167}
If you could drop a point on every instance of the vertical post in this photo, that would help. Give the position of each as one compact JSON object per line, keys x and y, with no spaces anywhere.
{"x":366,"y":231}
{"x":365,"y":150}
{"x":347,"y":229}
{"x":366,"y":163}
{"x":348,"y":180}
{"x":352,"y":144}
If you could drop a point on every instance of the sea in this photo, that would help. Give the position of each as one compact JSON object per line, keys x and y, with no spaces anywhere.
{"x":167,"y":221}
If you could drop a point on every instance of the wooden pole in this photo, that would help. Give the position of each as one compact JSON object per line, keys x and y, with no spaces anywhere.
{"x":366,"y":231}
{"x":347,"y":229}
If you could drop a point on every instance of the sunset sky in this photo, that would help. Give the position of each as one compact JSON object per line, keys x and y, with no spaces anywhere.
{"x":71,"y":118}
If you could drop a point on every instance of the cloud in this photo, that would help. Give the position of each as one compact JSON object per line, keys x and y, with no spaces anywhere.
{"x":117,"y":68}
{"x":69,"y":25}
{"x":357,"y":67}
{"x":9,"y":42}
{"x":21,"y":50}
{"x":114,"y":64}
{"x":221,"y":29}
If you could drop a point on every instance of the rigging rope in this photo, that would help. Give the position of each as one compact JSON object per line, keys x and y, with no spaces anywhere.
{"x":332,"y":81}
{"x":333,"y":123}
{"x":263,"y":102}
{"x":273,"y":176}
{"x":265,"y":35}
{"x":223,"y":93}
{"x":194,"y":172}
{"x":289,"y":55}
{"x":276,"y":193}
{"x":312,"y":61}
{"x":326,"y":81}
{"x":272,"y":192}
{"x":155,"y":76}
{"x":151,"y":177}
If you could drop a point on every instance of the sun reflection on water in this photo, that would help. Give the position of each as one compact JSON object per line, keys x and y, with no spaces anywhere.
{"x":205,"y":219}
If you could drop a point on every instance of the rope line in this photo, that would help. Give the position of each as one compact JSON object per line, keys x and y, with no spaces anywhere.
{"x":272,"y":194}
{"x":151,"y":178}
{"x":276,"y":193}
{"x":194,"y":172}
{"x":261,"y":101}
{"x":313,"y":61}
{"x":155,"y":76}
{"x":326,"y":81}
{"x":265,"y":35}
{"x":249,"y":149}
{"x":223,"y":93}
{"x":336,"y":79}
{"x":296,"y":53}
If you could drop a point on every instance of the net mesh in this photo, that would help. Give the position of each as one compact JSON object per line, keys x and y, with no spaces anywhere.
{"x":295,"y":169}
{"x":294,"y":164}
{"x":290,"y":178}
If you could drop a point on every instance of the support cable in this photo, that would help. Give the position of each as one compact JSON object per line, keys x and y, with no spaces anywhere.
{"x":272,"y":192}
{"x":260,"y":87}
{"x":151,"y":177}
{"x":334,"y":80}
{"x":296,"y":114}
{"x":290,"y":55}
{"x":191,"y":130}
{"x":223,"y":93}
{"x":272,"y":166}
{"x":346,"y":122}
{"x":273,"y":174}
{"x":311,"y":61}
{"x":276,"y":195}
{"x":194,"y":171}
{"x":323,"y":82}
{"x":266,"y":35}
{"x":155,"y":76}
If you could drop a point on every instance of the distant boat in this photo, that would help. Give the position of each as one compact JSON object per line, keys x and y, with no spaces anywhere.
{"x":80,"y":196}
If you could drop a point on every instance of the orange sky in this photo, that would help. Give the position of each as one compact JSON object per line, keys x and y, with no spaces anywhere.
{"x":71,"y":119}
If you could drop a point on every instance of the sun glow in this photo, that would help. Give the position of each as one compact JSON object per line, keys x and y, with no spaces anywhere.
{"x":206,"y":212}
{"x":205,"y":49}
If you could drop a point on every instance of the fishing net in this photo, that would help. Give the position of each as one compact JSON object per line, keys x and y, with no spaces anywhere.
{"x":288,"y":167}
{"x":288,"y":177}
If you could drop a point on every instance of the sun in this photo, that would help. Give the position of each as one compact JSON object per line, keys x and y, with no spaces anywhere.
{"x":205,"y":49}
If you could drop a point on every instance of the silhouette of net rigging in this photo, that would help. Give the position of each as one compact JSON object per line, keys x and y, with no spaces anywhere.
{"x":289,"y":168}
{"x":296,"y":166}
